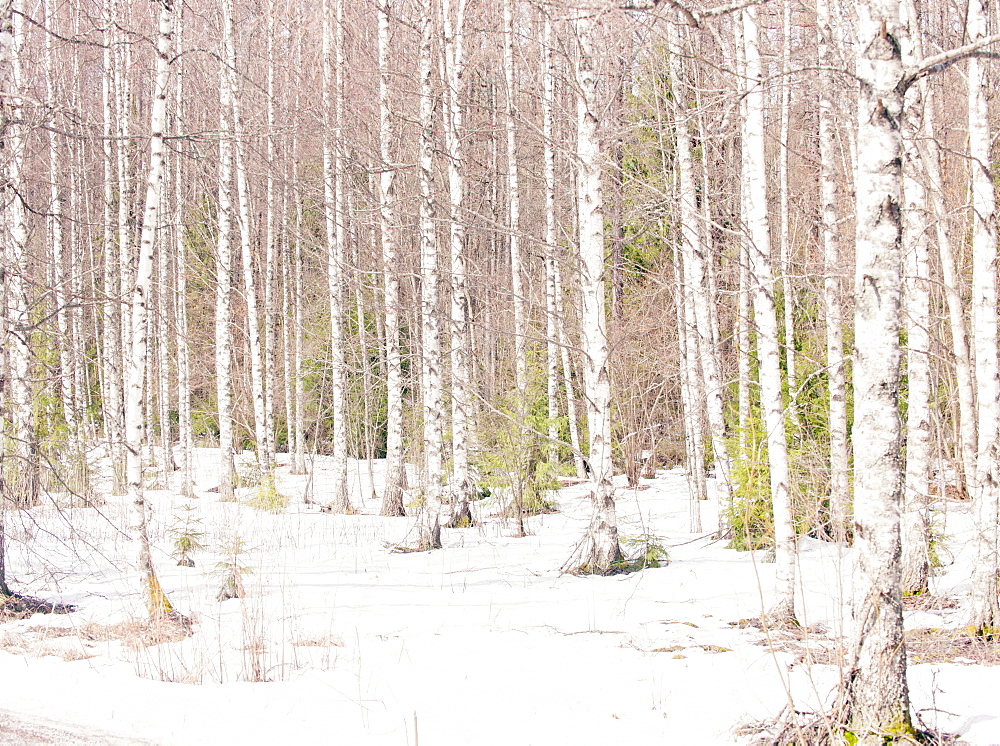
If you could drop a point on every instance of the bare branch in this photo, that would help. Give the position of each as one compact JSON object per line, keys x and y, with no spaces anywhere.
{"x":937,"y":62}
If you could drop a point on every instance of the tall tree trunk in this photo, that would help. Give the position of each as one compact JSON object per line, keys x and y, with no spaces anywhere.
{"x":430,"y":527}
{"x":333,"y":166}
{"x":765,"y":319}
{"x":878,"y":700}
{"x":113,"y":413}
{"x":690,"y":373}
{"x":552,"y":321}
{"x":300,"y":387}
{"x":184,"y":424}
{"x":461,"y":487}
{"x":514,"y":223}
{"x":917,"y":321}
{"x":395,"y":466}
{"x":157,"y":601}
{"x":246,"y":249}
{"x":21,"y":435}
{"x":787,"y":293}
{"x":832,"y":271}
{"x":224,"y":289}
{"x":62,"y":283}
{"x":271,"y":257}
{"x":985,"y":614}
{"x":598,"y":551}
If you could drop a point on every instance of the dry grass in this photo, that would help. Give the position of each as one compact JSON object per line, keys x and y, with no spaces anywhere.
{"x":928,"y":602}
{"x":951,"y":646}
{"x":322,"y":641}
{"x":42,"y":641}
{"x":138,"y":634}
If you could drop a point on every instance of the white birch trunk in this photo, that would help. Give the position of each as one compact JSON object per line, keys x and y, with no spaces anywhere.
{"x":690,"y":372}
{"x":552,"y":321}
{"x":765,"y":319}
{"x":832,"y":271}
{"x":917,"y":320}
{"x":876,"y":689}
{"x":461,"y":487}
{"x":514,"y":217}
{"x":599,"y":550}
{"x":788,"y":307}
{"x":123,"y":114}
{"x":395,"y":467}
{"x":111,"y":321}
{"x":271,"y":248}
{"x":261,"y":434}
{"x":430,"y":527}
{"x":334,"y":212}
{"x":159,"y":325}
{"x":17,"y":311}
{"x":157,"y":601}
{"x":224,"y":288}
{"x":61,"y":281}
{"x":300,"y":388}
{"x":184,"y":424}
{"x":986,"y":487}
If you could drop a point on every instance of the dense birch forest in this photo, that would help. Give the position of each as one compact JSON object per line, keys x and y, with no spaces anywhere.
{"x":514,"y":244}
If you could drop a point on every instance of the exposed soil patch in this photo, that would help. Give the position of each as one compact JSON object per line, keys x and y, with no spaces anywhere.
{"x":17,"y":606}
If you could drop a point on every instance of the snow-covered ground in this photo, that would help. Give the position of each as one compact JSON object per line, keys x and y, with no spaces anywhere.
{"x":482,"y":642}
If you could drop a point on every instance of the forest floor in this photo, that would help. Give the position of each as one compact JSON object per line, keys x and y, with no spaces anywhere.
{"x":342,"y":638}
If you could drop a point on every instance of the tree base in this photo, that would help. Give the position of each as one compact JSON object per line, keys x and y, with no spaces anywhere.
{"x":461,"y":517}
{"x":593,"y":557}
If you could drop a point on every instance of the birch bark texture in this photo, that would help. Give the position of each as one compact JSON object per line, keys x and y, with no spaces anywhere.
{"x":915,"y":534}
{"x":832,"y":279}
{"x":598,"y":551}
{"x":430,"y":525}
{"x":461,"y":480}
{"x":156,"y":599}
{"x":877,"y":694}
{"x":766,"y":321}
{"x":986,"y":487}
{"x":333,"y":204}
{"x":395,"y":467}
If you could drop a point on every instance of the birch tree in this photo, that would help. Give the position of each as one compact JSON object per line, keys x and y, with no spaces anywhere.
{"x":113,"y":412}
{"x":158,"y":604}
{"x":917,"y":321}
{"x":184,"y":424}
{"x":223,"y":302}
{"x":986,"y":488}
{"x":246,"y":249}
{"x":17,"y":322}
{"x":461,"y":482}
{"x":877,"y":694}
{"x":765,"y":319}
{"x":395,"y":467}
{"x":333,"y":206}
{"x":430,"y":526}
{"x":598,"y":551}
{"x":833,"y":305}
